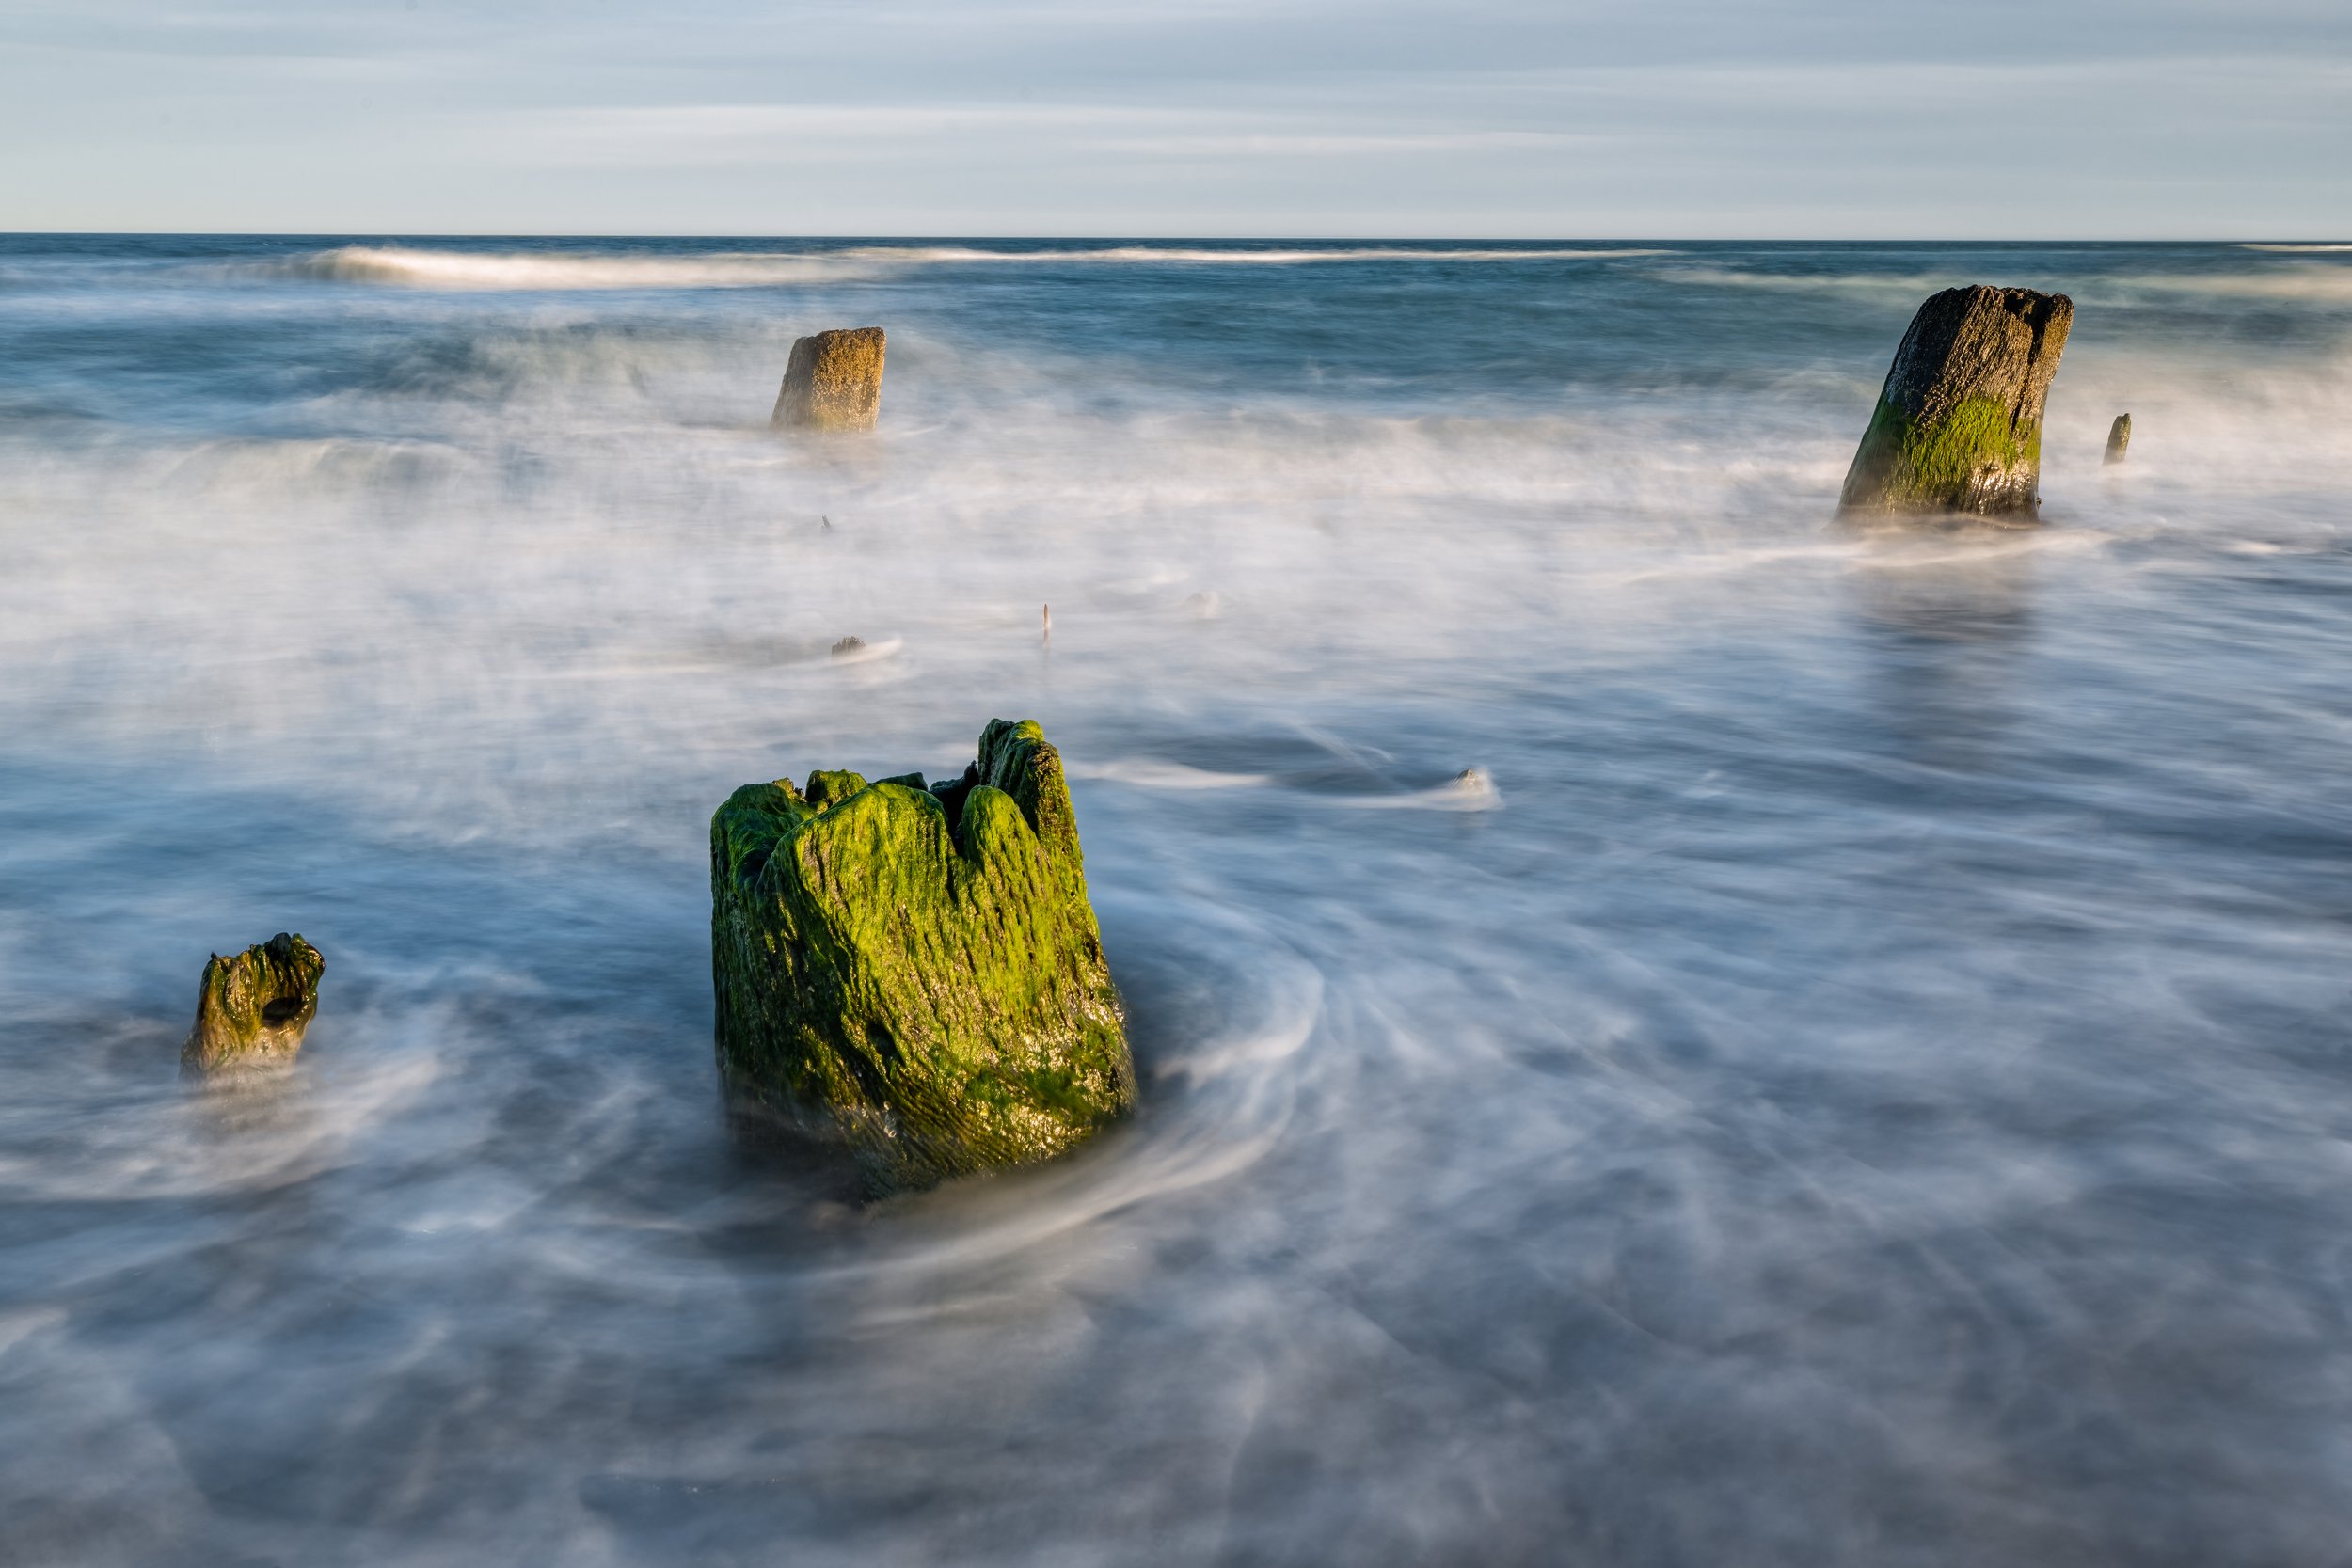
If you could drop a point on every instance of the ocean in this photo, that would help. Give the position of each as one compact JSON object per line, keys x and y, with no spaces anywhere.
{"x":1859,"y":1076}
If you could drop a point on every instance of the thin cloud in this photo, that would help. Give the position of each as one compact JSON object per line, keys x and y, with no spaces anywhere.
{"x":1690,"y":118}
{"x":709,"y":134}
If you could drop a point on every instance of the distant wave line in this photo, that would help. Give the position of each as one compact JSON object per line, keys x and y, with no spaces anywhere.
{"x":402,"y":265}
{"x":2318,"y":281}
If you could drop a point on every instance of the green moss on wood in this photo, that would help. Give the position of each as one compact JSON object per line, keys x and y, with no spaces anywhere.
{"x":1972,"y":450}
{"x":1957,"y":424}
{"x":253,"y":1006}
{"x":917,"y":972}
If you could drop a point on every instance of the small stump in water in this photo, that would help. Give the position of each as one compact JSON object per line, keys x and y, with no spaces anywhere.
{"x":2118,"y":437}
{"x":916,"y":972}
{"x":832,"y":381}
{"x":254,"y":1006}
{"x":1958,"y":427}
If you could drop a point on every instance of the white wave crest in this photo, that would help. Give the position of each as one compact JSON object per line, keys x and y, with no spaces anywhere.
{"x":1144,"y":773}
{"x":1277,"y":258}
{"x":1473,"y":789}
{"x":404,"y":266}
{"x":2252,"y":245}
{"x":2316,"y":281}
{"x":1837,"y":284}
{"x":399,"y":267}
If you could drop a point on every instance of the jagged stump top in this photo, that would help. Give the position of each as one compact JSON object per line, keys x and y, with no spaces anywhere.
{"x":254,"y":1005}
{"x":1958,"y":426}
{"x":916,"y":971}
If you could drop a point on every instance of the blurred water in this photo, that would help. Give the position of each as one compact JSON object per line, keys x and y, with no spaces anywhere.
{"x":1869,"y":1086}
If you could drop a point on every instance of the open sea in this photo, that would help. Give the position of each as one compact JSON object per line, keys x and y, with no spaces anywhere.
{"x":1867,"y":1081}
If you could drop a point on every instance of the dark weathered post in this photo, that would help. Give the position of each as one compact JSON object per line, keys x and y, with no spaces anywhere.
{"x":1958,"y":427}
{"x":832,"y":381}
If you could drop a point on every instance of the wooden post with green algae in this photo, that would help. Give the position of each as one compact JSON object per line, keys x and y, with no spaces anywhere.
{"x":1958,"y":427}
{"x":254,"y":1006}
{"x":914,"y":972}
{"x":832,"y":381}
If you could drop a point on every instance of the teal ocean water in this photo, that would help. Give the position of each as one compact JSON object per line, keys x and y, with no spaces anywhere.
{"x":1862,"y":1081}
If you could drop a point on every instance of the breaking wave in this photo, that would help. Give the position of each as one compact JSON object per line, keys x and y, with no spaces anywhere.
{"x":1907,"y":284}
{"x":399,"y":267}
{"x":1473,"y":789}
{"x":404,"y":266}
{"x":1144,"y":773}
{"x":1358,"y":253}
{"x":2316,"y":282}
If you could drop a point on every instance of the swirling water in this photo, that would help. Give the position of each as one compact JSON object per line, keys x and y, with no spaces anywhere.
{"x":1867,"y":1085}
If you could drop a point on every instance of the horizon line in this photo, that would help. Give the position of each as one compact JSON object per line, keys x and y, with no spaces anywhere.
{"x":1167,"y":238}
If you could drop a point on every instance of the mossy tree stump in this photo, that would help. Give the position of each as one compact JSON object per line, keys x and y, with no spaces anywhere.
{"x":1958,"y":427}
{"x":916,"y":972}
{"x":254,"y":1006}
{"x":832,"y":381}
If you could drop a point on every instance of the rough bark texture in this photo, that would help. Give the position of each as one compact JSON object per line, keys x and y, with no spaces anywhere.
{"x":254,"y":1005}
{"x":916,"y":973}
{"x":2118,"y":437}
{"x":1958,"y":427}
{"x":832,"y":381}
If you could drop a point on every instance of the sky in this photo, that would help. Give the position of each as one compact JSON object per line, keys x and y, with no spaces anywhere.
{"x":1495,"y":119}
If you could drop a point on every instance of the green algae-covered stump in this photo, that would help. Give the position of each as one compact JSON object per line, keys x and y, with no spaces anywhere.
{"x":832,"y":381}
{"x":916,"y":973}
{"x":1958,"y":427}
{"x":254,"y":1006}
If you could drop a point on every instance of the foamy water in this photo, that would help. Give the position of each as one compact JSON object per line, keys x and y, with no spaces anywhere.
{"x":1672,"y":1032}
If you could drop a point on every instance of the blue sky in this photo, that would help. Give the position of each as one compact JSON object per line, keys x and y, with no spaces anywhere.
{"x":1485,"y":117}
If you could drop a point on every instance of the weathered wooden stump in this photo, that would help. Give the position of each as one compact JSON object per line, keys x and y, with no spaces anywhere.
{"x":2118,"y":437}
{"x":254,"y":1006}
{"x":832,"y":382}
{"x":1958,"y":426}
